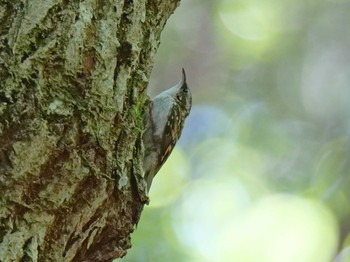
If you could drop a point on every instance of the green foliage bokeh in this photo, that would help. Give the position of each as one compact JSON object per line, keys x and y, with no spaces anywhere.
{"x":261,"y":170}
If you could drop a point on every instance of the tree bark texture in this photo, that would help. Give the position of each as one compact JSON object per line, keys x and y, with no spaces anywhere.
{"x":73,"y":78}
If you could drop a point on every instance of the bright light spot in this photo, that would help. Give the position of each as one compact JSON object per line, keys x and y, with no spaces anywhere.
{"x":248,"y":29}
{"x":283,"y":228}
{"x":220,"y":224}
{"x":248,"y":24}
{"x":209,"y":209}
{"x":170,"y":180}
{"x":251,"y":20}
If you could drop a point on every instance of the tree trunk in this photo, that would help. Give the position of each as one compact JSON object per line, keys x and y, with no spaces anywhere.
{"x":73,"y":78}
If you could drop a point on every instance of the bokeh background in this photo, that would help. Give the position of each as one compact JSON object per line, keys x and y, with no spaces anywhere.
{"x":261,"y":173}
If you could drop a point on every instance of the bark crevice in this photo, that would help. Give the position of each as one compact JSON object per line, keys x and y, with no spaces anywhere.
{"x":73,"y":78}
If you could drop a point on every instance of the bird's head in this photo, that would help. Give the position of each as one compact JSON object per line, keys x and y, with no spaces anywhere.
{"x":182,"y":94}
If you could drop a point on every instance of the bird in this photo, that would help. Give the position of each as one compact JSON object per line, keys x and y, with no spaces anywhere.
{"x":164,"y":117}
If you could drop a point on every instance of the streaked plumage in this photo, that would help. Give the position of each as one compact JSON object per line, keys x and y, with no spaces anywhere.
{"x":165,"y":119}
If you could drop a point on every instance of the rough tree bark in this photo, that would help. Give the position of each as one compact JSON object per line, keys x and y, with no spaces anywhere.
{"x":73,"y":78}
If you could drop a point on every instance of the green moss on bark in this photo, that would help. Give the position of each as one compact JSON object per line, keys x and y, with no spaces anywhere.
{"x":73,"y":77}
